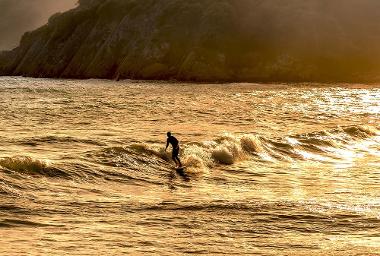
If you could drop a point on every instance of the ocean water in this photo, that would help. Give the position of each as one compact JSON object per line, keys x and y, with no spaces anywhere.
{"x":274,"y":169}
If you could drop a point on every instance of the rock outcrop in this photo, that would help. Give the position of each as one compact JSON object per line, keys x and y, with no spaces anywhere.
{"x":205,"y":40}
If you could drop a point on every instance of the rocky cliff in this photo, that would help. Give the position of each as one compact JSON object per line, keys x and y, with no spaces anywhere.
{"x":205,"y":40}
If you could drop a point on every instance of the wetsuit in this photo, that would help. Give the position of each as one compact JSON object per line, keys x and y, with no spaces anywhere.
{"x":174,"y":142}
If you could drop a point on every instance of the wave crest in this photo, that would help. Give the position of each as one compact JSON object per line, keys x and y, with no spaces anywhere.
{"x":229,"y":149}
{"x":143,"y":162}
{"x":30,"y":166}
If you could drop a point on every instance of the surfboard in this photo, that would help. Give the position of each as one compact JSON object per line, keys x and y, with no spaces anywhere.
{"x":182,"y":168}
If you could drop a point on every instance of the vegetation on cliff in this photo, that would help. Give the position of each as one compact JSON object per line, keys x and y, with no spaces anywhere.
{"x":205,"y":40}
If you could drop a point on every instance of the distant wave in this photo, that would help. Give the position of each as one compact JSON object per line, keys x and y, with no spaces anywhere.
{"x":57,"y":139}
{"x":7,"y":223}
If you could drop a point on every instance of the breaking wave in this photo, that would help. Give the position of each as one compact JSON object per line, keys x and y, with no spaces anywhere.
{"x":199,"y":157}
{"x":326,"y":146}
{"x":143,"y":162}
{"x":29,"y":166}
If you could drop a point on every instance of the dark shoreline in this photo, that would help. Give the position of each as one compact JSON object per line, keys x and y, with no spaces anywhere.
{"x":311,"y":84}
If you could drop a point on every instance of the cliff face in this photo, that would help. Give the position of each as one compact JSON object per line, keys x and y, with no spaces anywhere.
{"x":205,"y":40}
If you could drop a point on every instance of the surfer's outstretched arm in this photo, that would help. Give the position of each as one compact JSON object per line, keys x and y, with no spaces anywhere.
{"x":167,"y":145}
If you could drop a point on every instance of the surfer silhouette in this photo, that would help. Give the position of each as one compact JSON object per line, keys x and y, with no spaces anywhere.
{"x":175,"y":144}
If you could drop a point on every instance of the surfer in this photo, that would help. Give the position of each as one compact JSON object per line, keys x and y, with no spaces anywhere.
{"x":175,"y":144}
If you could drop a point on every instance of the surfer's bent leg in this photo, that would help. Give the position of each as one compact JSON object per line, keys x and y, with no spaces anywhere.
{"x":175,"y":156}
{"x":179,"y":161}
